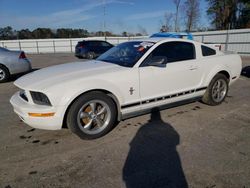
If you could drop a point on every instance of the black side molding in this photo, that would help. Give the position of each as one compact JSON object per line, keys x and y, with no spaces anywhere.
{"x":162,"y":98}
{"x":162,"y":107}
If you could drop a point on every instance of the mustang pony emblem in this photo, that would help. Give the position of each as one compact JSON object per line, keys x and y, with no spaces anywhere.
{"x":131,"y":90}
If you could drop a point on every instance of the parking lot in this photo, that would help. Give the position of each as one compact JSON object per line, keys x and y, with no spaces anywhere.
{"x":194,"y":145}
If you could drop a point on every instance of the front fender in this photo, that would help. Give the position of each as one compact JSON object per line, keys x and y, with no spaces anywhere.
{"x":64,"y":94}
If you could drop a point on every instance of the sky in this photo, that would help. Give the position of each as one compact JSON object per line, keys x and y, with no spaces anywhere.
{"x":121,"y":15}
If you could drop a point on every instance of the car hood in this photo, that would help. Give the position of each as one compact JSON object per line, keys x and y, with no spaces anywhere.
{"x":59,"y":74}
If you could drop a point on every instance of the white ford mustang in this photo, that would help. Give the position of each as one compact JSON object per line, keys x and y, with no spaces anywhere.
{"x":129,"y":79}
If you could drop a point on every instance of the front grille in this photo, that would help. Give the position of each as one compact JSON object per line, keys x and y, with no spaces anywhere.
{"x":23,"y":95}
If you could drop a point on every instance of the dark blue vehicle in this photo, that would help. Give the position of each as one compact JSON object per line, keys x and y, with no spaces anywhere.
{"x":91,"y":49}
{"x":173,"y":35}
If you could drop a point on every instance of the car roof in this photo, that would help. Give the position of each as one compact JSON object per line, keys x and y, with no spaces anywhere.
{"x":173,"y":35}
{"x":93,"y":41}
{"x":162,"y":39}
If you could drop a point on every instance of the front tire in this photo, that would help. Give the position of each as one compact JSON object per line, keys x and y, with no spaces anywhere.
{"x":92,"y":115}
{"x":4,"y":74}
{"x":216,"y":91}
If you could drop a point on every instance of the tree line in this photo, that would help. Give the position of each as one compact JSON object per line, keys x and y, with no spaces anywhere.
{"x":7,"y":33}
{"x":223,"y":14}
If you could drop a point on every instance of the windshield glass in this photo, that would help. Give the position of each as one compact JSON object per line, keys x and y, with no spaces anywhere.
{"x":3,"y":49}
{"x":126,"y":54}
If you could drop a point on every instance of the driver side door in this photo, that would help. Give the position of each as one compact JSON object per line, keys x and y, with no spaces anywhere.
{"x":181,"y":73}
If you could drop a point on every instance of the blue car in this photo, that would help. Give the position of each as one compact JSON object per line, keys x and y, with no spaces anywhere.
{"x":173,"y":35}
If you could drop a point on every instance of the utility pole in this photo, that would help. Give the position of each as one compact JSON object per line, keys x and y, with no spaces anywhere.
{"x":104,"y":19}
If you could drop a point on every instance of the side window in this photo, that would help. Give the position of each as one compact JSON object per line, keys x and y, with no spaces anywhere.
{"x":94,"y":44}
{"x":174,"y":51}
{"x":206,"y":51}
{"x":105,"y":44}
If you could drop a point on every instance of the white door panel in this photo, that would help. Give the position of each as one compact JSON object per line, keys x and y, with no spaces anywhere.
{"x":175,"y":77}
{"x":128,"y":85}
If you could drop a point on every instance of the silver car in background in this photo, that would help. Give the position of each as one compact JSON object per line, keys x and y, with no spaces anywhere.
{"x":12,"y":62}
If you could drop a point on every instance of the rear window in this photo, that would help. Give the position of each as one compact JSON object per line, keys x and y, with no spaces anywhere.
{"x":206,"y":51}
{"x":105,"y":44}
{"x":94,"y":43}
{"x":81,"y":43}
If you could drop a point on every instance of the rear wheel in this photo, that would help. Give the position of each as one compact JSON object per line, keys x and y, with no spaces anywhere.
{"x":92,"y":115}
{"x":216,"y":91}
{"x":4,"y":74}
{"x":91,"y":55}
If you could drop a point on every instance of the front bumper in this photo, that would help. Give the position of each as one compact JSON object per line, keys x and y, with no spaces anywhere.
{"x":22,"y":108}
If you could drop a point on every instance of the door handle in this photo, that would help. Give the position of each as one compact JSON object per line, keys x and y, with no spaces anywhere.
{"x":193,"y":67}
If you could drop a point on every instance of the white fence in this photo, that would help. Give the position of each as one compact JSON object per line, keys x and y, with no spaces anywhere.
{"x":232,"y":40}
{"x":55,"y":45}
{"x":237,"y":40}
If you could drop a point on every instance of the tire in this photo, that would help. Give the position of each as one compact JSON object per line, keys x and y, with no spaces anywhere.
{"x":216,"y":91}
{"x":92,"y":115}
{"x":79,"y":57}
{"x":4,"y":74}
{"x":90,"y":55}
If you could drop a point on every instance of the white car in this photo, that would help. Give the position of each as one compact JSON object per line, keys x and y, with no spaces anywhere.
{"x":12,"y":62}
{"x":130,"y":79}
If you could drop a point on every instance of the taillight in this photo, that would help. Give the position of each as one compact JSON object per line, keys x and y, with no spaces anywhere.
{"x":81,"y":46}
{"x":22,"y":55}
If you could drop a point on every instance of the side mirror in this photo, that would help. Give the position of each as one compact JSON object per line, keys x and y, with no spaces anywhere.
{"x":158,"y":61}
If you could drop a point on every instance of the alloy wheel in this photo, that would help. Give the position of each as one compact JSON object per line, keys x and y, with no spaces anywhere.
{"x":93,"y":117}
{"x":219,"y":90}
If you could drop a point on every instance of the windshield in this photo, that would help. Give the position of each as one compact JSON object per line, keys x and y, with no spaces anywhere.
{"x":3,"y":49}
{"x":126,"y":54}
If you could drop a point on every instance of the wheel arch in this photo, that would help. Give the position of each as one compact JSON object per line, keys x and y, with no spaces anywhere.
{"x":215,"y":72}
{"x":108,"y":93}
{"x":3,"y":65}
{"x":226,"y":73}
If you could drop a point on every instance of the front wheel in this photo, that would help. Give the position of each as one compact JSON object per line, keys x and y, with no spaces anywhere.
{"x":92,"y":115}
{"x":216,"y":91}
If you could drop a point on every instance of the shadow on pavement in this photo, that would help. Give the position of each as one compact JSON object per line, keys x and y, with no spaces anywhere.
{"x":153,"y":161}
{"x":246,"y":71}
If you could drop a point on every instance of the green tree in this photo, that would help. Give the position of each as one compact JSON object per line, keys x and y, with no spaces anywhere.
{"x":223,"y":13}
{"x":244,"y":14}
{"x":7,"y":33}
{"x":43,"y":33}
{"x":124,"y":34}
{"x":24,"y":34}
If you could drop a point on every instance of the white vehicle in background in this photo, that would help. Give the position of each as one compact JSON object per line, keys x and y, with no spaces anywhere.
{"x":215,"y":46}
{"x":12,"y":62}
{"x":130,"y":79}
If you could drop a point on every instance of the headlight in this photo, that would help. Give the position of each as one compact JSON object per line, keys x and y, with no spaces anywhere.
{"x":40,"y":98}
{"x":23,"y":95}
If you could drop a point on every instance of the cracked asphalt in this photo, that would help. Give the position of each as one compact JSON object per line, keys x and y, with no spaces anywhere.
{"x":193,"y":145}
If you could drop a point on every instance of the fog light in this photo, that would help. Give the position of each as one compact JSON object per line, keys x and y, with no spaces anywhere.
{"x":41,"y":114}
